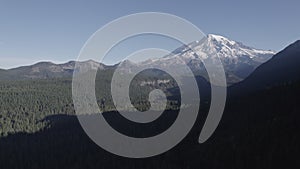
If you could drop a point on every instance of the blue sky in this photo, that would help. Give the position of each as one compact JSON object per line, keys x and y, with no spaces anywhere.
{"x":31,"y":31}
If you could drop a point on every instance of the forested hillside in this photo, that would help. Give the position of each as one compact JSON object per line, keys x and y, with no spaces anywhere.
{"x":24,"y":104}
{"x":257,"y":131}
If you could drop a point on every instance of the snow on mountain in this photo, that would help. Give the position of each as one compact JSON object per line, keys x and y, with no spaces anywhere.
{"x":229,"y":48}
{"x":238,"y":60}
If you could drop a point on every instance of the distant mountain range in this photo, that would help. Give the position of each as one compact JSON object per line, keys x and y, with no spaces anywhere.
{"x":238,"y":61}
{"x":47,"y":70}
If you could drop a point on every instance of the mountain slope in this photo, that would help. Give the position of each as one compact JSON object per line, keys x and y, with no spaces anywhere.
{"x":282,"y":69}
{"x":3,"y":74}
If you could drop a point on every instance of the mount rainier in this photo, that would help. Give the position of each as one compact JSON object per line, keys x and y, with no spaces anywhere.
{"x":238,"y":60}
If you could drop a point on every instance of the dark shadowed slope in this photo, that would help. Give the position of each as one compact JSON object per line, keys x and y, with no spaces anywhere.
{"x":282,"y":69}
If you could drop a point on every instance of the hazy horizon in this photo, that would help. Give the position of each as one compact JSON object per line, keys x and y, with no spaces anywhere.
{"x":55,"y":31}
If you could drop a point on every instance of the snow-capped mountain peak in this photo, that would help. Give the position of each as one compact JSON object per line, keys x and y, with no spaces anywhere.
{"x":238,"y":59}
{"x":220,"y":39}
{"x":229,"y":48}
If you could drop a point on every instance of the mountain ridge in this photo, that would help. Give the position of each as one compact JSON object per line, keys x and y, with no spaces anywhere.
{"x":238,"y":61}
{"x":46,"y":69}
